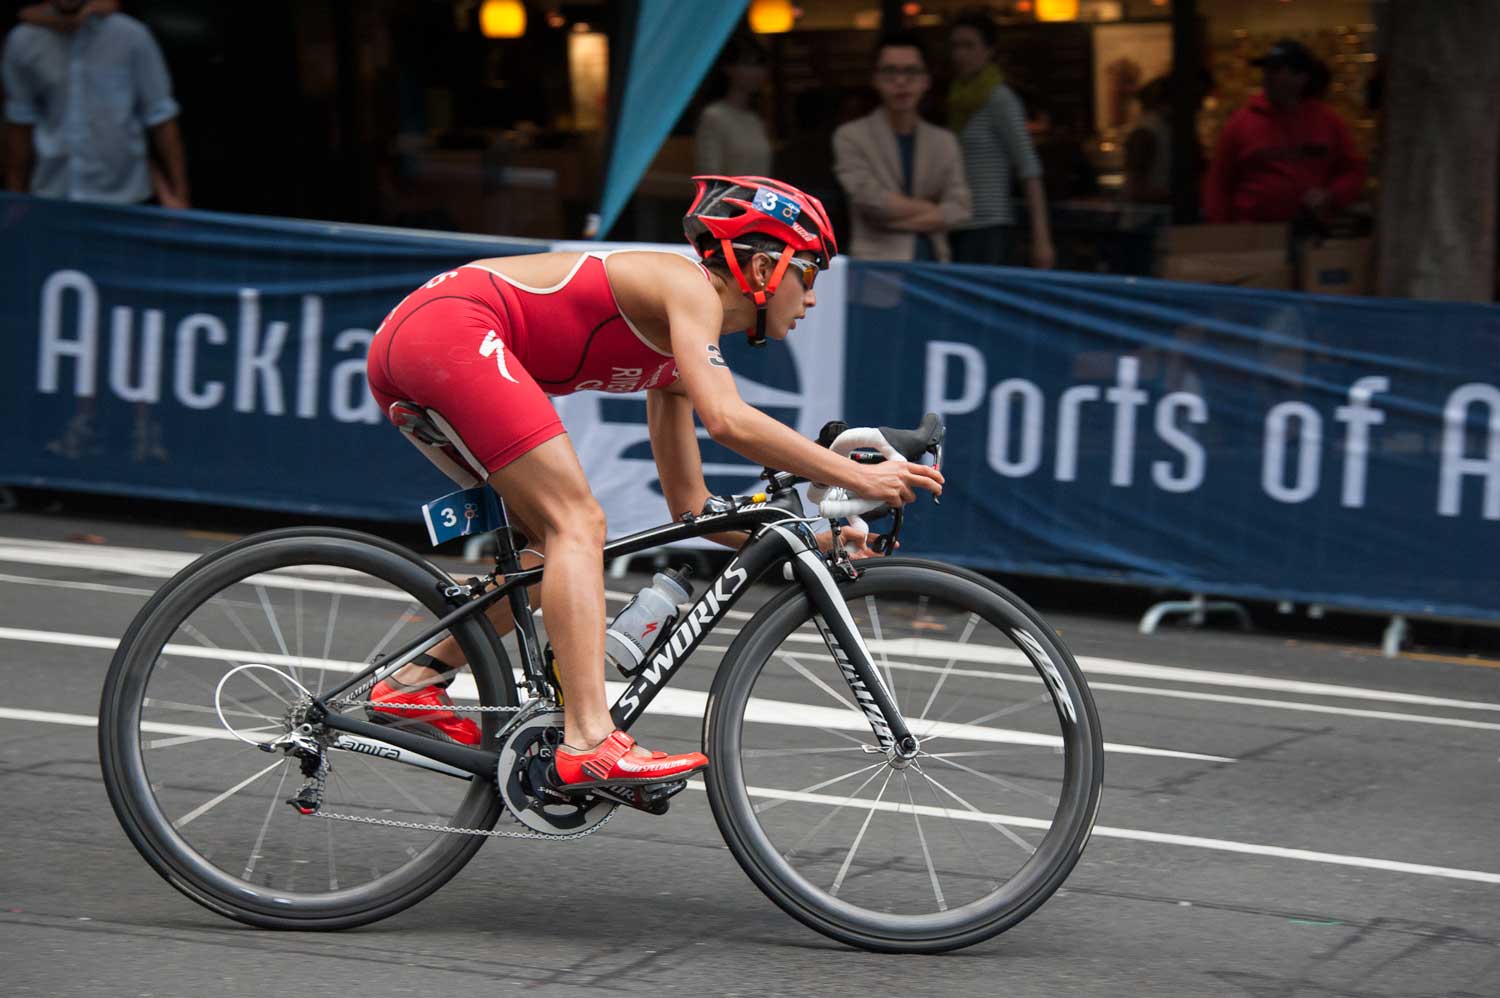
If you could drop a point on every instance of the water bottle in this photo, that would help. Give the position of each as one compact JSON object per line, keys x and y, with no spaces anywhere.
{"x":645,"y":618}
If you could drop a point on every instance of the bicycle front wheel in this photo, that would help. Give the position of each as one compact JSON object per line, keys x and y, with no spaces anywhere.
{"x":921,"y":855}
{"x":218,"y":661}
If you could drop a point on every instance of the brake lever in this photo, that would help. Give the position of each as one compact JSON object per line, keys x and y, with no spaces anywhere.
{"x":886,"y":543}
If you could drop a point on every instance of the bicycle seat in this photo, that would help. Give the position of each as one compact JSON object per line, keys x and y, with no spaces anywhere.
{"x":438,"y":442}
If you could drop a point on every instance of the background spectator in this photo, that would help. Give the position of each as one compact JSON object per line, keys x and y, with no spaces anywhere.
{"x":991,"y":124}
{"x":1148,"y":147}
{"x":731,"y":137}
{"x":1284,"y":155}
{"x":84,"y":86}
{"x":903,"y":176}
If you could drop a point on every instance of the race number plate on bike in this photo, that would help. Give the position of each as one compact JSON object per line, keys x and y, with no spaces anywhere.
{"x":461,"y":514}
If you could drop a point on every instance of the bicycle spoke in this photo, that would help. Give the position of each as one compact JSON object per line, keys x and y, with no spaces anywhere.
{"x":768,"y":805}
{"x":840,"y":734}
{"x":202,"y":709}
{"x":207,"y":642}
{"x":423,"y":809}
{"x":998,"y":781}
{"x":1002,"y":829}
{"x":395,"y":627}
{"x":808,"y":675}
{"x":937,"y":888}
{"x":203,"y":809}
{"x":843,"y":803}
{"x":265,"y":602}
{"x":943,"y":676}
{"x":1014,"y":708}
{"x":767,"y":753}
{"x":890,"y":681}
{"x":162,"y":743}
{"x":838,"y":881}
{"x":954,"y":821}
{"x":260,"y":839}
{"x":333,"y":616}
{"x":226,"y":607}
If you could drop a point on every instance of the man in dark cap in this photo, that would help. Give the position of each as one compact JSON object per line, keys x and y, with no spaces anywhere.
{"x":1283,"y":155}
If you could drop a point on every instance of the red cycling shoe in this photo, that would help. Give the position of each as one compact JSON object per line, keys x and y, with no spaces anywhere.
{"x":427,"y":710}
{"x":611,"y":761}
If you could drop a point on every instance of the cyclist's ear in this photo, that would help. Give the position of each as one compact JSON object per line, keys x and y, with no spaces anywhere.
{"x":761,"y":265}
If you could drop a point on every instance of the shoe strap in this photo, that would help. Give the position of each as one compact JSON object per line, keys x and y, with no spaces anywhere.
{"x":600,"y":762}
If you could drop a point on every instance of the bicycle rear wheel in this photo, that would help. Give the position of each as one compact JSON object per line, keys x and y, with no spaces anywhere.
{"x":209,"y":810}
{"x":930,"y":854}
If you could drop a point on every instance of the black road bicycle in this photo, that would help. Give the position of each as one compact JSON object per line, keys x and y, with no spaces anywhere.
{"x":905,"y":757}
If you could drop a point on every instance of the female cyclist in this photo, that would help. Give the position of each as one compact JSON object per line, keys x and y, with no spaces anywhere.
{"x":486,"y":344}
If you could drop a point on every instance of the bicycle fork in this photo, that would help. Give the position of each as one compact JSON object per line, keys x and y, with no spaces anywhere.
{"x":853,"y":658}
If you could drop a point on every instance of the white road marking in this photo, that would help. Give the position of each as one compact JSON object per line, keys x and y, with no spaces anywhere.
{"x":145,"y":561}
{"x":1105,"y":831}
{"x":165,"y":564}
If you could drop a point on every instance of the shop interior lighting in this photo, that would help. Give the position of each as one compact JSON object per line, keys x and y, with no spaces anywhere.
{"x":502,"y":18}
{"x":771,"y":17}
{"x":1057,"y":10}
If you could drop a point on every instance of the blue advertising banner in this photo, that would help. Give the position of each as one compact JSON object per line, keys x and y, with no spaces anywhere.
{"x":1261,"y":444}
{"x":208,"y":357}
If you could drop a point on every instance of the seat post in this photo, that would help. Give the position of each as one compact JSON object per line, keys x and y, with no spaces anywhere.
{"x":507,"y":558}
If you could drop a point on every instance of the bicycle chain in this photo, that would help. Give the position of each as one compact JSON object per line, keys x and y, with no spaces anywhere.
{"x":536,"y":706}
{"x":455,"y":707}
{"x":487,"y":832}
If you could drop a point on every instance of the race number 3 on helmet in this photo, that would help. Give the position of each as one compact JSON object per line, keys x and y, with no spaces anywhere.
{"x":757,"y":215}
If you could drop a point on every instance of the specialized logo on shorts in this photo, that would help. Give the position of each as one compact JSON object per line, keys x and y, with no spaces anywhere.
{"x":495,"y":345}
{"x":770,"y":203}
{"x":716,"y":356}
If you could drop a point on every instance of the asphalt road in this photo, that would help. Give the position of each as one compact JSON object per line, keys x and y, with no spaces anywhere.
{"x":1341,"y":841}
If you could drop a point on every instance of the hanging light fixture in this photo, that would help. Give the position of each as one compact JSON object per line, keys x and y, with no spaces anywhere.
{"x":771,"y":17}
{"x":502,"y":18}
{"x":1057,"y":10}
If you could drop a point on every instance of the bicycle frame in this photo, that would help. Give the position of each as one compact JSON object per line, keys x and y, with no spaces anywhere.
{"x":778,"y":537}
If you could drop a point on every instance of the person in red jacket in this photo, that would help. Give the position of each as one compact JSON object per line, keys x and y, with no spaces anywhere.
{"x":1283,"y":155}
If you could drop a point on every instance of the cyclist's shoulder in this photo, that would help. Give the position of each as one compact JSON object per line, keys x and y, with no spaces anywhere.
{"x":672,"y":274}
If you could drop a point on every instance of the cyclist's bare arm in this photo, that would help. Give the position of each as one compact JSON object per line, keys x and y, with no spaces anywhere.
{"x":674,"y":444}
{"x":694,"y":316}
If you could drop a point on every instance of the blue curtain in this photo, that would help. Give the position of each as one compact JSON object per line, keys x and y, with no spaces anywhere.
{"x":676,"y":41}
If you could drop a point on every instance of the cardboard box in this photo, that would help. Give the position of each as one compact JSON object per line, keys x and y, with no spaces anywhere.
{"x":1337,"y":267}
{"x":1247,"y":256}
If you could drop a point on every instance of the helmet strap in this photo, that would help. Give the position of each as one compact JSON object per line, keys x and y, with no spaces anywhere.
{"x":761,"y":298}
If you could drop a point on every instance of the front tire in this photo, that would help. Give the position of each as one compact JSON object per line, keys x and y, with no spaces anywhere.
{"x":944,"y":851}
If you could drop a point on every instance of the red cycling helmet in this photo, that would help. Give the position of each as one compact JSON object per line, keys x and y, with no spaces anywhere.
{"x":727,"y":210}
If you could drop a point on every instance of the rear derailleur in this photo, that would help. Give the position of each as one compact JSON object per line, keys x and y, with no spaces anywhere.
{"x":310,"y":752}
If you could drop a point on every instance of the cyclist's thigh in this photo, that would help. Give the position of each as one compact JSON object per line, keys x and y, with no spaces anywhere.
{"x":546,"y":489}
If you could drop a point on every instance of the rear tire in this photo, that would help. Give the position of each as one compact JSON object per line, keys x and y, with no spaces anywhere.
{"x":264,"y":864}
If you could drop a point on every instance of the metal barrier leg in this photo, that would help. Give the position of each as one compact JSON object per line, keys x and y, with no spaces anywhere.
{"x":1395,"y":636}
{"x":619,"y":567}
{"x":1197,"y":608}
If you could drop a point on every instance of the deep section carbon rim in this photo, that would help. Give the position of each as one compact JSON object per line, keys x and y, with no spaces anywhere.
{"x":221,"y":662}
{"x":936,"y":851}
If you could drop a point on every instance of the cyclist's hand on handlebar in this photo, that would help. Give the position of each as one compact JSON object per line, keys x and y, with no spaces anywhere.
{"x":895,"y":482}
{"x":857,"y":545}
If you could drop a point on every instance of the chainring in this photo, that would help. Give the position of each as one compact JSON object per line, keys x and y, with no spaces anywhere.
{"x":524,"y":761}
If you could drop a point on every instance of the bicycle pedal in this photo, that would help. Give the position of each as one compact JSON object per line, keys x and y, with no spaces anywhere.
{"x":653,"y":798}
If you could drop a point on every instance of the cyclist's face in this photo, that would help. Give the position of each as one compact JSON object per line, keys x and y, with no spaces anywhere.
{"x":793,"y":297}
